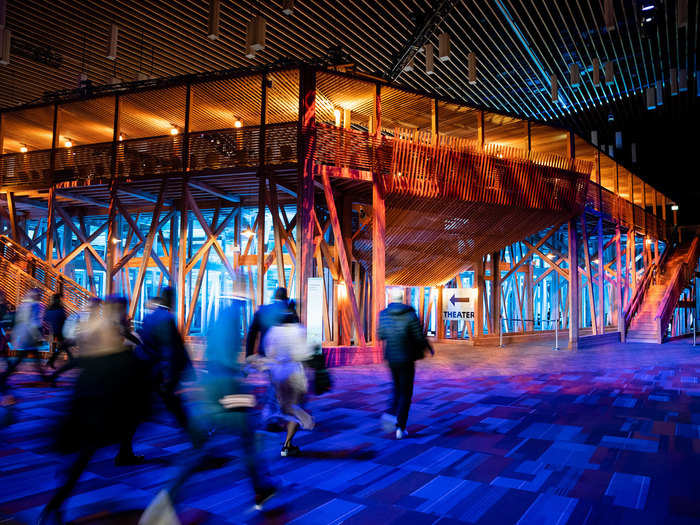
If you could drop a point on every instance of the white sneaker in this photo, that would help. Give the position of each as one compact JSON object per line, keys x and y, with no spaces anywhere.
{"x":400,"y":434}
{"x":160,"y":511}
{"x":388,"y":422}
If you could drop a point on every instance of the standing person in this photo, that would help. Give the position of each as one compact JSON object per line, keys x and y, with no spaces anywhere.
{"x":164,"y":352}
{"x":404,"y":343}
{"x":26,"y":336}
{"x":107,"y":402}
{"x":224,"y":405}
{"x":266,"y":317}
{"x":286,"y":349}
{"x":55,"y":319}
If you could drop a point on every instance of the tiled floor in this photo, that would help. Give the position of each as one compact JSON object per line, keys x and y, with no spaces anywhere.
{"x":513,"y":435}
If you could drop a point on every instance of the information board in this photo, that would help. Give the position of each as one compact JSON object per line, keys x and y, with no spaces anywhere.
{"x":314,"y":311}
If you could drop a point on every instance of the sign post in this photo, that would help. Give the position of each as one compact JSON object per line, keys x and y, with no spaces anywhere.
{"x":314,"y":312}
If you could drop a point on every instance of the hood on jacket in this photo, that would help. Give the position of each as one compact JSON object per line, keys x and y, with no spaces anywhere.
{"x":398,"y":308}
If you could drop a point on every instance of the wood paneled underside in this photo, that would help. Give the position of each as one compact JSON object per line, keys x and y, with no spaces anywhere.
{"x":429,"y":241}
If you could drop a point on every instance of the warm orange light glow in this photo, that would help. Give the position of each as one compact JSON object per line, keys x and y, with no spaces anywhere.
{"x":247,"y":232}
{"x":337,"y":113}
{"x":342,"y":291}
{"x":174,"y":131}
{"x":68,"y":143}
{"x":121,"y":137}
{"x":23,"y":149}
{"x":238,"y":123}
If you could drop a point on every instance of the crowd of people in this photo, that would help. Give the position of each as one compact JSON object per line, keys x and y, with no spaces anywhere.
{"x":120,"y":370}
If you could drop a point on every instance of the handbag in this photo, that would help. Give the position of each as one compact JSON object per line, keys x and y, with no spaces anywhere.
{"x":322,"y":377}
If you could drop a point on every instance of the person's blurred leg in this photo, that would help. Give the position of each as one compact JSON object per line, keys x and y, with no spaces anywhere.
{"x":406,"y":377}
{"x":12,"y":366}
{"x":72,"y":475}
{"x":175,"y":404}
{"x":396,"y":392}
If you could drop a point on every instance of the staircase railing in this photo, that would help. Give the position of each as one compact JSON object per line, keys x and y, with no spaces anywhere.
{"x":680,"y":278}
{"x":36,"y":273}
{"x":638,"y":296}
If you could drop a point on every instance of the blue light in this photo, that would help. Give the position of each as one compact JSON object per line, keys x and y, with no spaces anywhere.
{"x":647,"y":7}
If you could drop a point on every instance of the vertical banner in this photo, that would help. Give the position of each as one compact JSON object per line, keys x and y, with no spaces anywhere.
{"x":314,"y":311}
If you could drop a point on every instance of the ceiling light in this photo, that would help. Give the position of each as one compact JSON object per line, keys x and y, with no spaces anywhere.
{"x":336,"y":114}
{"x":121,"y":137}
{"x":288,"y":7}
{"x":214,"y":12}
{"x":596,"y":72}
{"x":429,"y":59}
{"x":574,"y":75}
{"x":5,"y":45}
{"x":444,"y":47}
{"x":238,"y":123}
{"x":174,"y":130}
{"x":247,"y":232}
{"x":23,"y":148}
{"x":647,"y":19}
{"x":471,"y":67}
{"x":647,"y":7}
{"x":68,"y":143}
{"x":113,"y":42}
{"x":674,"y":207}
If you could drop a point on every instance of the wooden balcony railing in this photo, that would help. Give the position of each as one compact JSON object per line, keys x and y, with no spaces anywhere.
{"x":25,"y":169}
{"x":678,"y":281}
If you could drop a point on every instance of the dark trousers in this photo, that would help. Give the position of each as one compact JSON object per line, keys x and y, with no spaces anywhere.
{"x":59,"y":345}
{"x":403,"y":375}
{"x":13,"y":364}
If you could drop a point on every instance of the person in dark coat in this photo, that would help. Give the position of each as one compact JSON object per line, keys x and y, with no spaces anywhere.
{"x":163,"y":349}
{"x":108,"y":400}
{"x":404,"y":343}
{"x":266,"y":317}
{"x":55,"y":319}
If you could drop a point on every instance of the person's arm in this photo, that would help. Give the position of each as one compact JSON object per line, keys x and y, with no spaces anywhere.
{"x":417,"y":334}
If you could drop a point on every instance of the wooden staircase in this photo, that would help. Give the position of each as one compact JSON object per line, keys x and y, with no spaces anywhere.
{"x":659,"y":293}
{"x":21,"y":270}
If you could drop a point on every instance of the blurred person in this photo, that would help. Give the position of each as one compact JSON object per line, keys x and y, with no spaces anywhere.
{"x":72,"y":329}
{"x":267,"y":316}
{"x":163,"y":350}
{"x":7,"y":319}
{"x":26,"y":336}
{"x":404,"y":343}
{"x":224,"y":405}
{"x":107,"y":402}
{"x":286,"y":349}
{"x":55,"y":319}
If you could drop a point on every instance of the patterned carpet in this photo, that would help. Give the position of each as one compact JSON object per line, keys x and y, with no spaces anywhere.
{"x":516,"y":435}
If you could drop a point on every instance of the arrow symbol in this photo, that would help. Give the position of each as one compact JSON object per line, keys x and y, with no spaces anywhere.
{"x":454,"y":299}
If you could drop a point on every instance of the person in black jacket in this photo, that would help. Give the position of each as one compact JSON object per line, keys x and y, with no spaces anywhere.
{"x":163,"y":349}
{"x":404,"y":343}
{"x":55,"y":319}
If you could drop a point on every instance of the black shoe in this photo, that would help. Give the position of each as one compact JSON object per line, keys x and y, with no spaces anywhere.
{"x":128,"y":460}
{"x":263,"y":495}
{"x":290,"y":450}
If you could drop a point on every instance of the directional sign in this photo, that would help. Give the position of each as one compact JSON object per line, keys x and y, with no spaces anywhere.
{"x":458,"y":303}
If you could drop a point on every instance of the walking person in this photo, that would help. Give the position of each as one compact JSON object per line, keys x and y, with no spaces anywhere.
{"x":26,"y":336}
{"x":107,"y":402}
{"x":404,"y":343}
{"x":267,"y":316}
{"x":55,"y":319}
{"x":224,"y":405}
{"x":286,"y":350}
{"x":163,"y":350}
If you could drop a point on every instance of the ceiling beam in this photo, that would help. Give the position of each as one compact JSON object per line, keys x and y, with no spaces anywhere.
{"x":140,"y":194}
{"x":213,"y":190}
{"x":82,"y":198}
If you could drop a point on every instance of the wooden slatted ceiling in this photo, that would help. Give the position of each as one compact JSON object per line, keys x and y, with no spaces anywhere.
{"x":33,"y":127}
{"x":217,"y":105}
{"x":505,"y":131}
{"x":405,"y":110}
{"x":283,"y":97}
{"x":459,"y":121}
{"x":343,"y":93}
{"x":152,"y":113}
{"x":87,"y":122}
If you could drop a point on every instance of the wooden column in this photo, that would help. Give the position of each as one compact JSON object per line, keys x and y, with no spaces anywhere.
{"x":574,"y":301}
{"x":305,"y":185}
{"x":440,"y":324}
{"x":480,"y":131}
{"x":632,"y":260}
{"x":530,"y":315}
{"x":111,"y":229}
{"x":260,"y":255}
{"x":618,"y":284}
{"x":12,"y":213}
{"x":434,"y":122}
{"x":182,"y":258}
{"x":378,"y":232}
{"x":496,"y":293}
{"x":480,"y":297}
{"x":529,"y":135}
{"x":601,"y":278}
